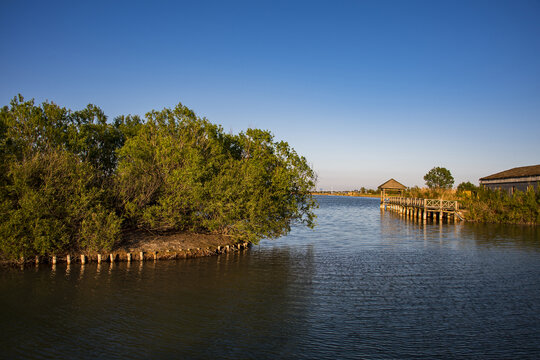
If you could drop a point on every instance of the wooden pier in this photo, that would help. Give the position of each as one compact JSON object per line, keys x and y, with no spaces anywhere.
{"x":437,"y":210}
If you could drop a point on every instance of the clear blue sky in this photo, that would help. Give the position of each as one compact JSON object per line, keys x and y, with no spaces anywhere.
{"x":366,"y":90}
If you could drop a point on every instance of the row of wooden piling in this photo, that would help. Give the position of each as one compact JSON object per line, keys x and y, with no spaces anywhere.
{"x":422,"y":214}
{"x":140,"y":256}
{"x":437,"y":210}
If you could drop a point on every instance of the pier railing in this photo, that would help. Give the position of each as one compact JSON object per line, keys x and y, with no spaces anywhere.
{"x":430,"y":204}
{"x":415,"y":208}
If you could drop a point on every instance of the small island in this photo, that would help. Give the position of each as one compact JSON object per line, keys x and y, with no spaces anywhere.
{"x":173,"y":183}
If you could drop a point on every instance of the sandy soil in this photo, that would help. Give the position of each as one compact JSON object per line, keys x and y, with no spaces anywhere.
{"x":135,"y":241}
{"x":153,"y":245}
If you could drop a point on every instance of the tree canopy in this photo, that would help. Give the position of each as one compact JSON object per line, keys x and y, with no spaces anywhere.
{"x":466,"y":186}
{"x":439,"y":177}
{"x":73,"y":180}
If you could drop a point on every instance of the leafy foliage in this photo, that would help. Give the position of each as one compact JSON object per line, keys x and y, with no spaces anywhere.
{"x":48,"y":199}
{"x":72,"y":180}
{"x":55,"y":167}
{"x":181,"y":172}
{"x":496,"y":206}
{"x":467,"y":186}
{"x":440,"y":178}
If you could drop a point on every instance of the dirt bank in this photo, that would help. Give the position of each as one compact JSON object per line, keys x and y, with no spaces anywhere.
{"x":136,"y":241}
{"x":152,"y":246}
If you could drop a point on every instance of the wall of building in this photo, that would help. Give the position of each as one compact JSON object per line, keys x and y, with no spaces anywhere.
{"x":512,"y":186}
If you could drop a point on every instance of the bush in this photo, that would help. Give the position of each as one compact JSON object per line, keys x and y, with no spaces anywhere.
{"x":500,"y":207}
{"x":181,"y":172}
{"x":71,"y":180}
{"x":48,"y":198}
{"x":100,"y":230}
{"x":467,"y":186}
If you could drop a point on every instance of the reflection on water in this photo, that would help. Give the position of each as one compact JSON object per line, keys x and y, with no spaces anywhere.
{"x":394,"y":226}
{"x":222,"y":305}
{"x":364,"y":284}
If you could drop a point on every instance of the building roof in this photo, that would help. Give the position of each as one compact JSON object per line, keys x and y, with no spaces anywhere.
{"x":392,"y":184}
{"x":533,"y":170}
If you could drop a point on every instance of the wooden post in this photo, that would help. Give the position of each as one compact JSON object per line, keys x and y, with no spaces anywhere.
{"x":68,"y":259}
{"x":99,"y":258}
{"x":37,"y":259}
{"x":83,"y":259}
{"x":155,"y":255}
{"x":53,"y":260}
{"x":129,"y":257}
{"x":111,"y":257}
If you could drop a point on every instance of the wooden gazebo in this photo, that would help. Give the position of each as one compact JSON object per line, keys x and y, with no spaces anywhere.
{"x":391,"y":187}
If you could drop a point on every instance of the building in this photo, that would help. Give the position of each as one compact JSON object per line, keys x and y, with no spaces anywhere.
{"x":391,"y":186}
{"x":520,"y":178}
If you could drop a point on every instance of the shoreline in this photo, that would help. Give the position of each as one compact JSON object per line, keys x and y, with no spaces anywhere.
{"x":138,"y":245}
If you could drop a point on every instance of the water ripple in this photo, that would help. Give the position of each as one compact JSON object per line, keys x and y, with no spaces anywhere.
{"x":362,"y":285}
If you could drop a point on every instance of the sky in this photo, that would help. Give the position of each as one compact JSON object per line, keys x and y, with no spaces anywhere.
{"x":365,"y":90}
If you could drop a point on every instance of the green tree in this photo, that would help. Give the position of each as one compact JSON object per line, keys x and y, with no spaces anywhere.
{"x":56,"y":166}
{"x":181,"y":172}
{"x":466,"y":186}
{"x":73,"y":180}
{"x":94,"y":140}
{"x":439,"y":178}
{"x":49,"y":198}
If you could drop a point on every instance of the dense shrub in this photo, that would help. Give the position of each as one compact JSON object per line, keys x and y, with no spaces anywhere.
{"x":181,"y":172}
{"x":501,"y":207}
{"x":467,"y":186}
{"x":46,"y":202}
{"x":72,"y":180}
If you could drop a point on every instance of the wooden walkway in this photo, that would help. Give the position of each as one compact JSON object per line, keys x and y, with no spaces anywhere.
{"x":423,"y":209}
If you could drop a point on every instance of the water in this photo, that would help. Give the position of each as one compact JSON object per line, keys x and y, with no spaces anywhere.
{"x":362,"y":285}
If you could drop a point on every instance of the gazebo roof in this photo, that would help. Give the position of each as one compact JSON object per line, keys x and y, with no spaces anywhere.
{"x":392,"y":185}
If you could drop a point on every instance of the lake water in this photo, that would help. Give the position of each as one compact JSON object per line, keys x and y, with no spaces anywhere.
{"x":363,"y":284}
